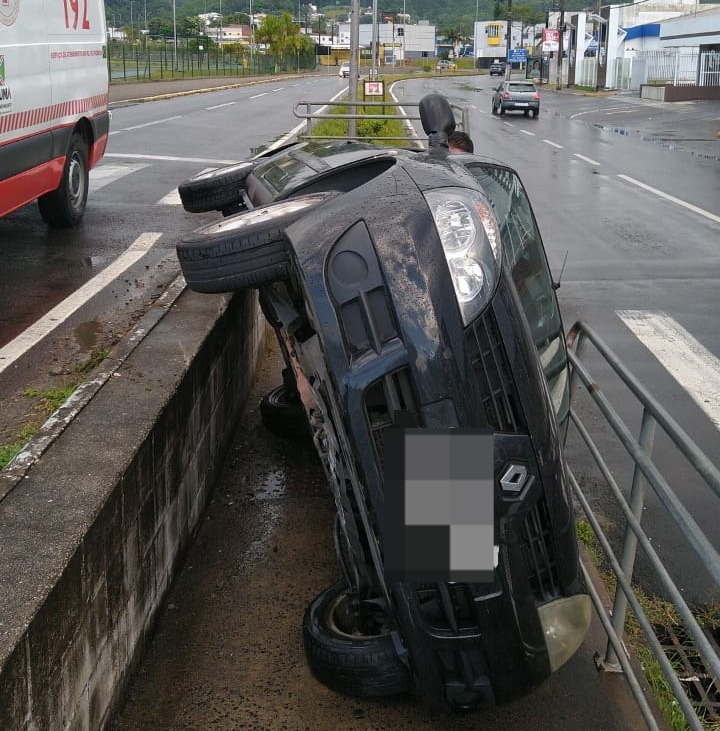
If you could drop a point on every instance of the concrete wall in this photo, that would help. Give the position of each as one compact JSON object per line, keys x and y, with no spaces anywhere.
{"x":91,"y":537}
{"x":671,"y":93}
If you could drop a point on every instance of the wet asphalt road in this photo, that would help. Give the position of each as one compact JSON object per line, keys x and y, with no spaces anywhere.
{"x":228,"y":649}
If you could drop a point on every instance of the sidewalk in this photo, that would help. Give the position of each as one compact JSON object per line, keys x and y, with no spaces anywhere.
{"x":137,"y":91}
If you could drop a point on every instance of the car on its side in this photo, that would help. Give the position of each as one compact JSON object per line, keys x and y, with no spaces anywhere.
{"x":445,"y":65}
{"x":497,"y":69}
{"x":516,"y":96}
{"x":411,"y":289}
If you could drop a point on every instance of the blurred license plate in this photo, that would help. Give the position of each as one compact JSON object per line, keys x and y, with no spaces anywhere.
{"x":522,"y":104}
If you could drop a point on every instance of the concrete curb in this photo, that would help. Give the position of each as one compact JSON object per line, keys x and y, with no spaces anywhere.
{"x":91,"y":535}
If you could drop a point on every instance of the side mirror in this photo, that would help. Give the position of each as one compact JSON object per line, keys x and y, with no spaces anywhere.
{"x":437,"y":118}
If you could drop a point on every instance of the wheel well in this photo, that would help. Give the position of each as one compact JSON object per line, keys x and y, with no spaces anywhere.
{"x":84,"y":128}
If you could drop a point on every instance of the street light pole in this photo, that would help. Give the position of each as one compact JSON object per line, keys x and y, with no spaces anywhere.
{"x":508,"y":41}
{"x":252,"y":40}
{"x":174,"y":38}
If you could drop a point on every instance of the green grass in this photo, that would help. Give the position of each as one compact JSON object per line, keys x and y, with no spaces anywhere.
{"x":46,"y":401}
{"x":95,"y":359}
{"x":374,"y":130}
{"x":660,"y":613}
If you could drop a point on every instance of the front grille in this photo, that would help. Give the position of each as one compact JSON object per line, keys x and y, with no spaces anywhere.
{"x":538,"y":552}
{"x":446,"y":606}
{"x":492,"y":373}
{"x":390,"y":402}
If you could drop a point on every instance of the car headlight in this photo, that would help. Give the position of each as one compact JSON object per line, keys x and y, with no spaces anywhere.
{"x":470,"y":240}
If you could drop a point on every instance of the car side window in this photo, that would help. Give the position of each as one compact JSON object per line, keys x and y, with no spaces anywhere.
{"x":531,"y":274}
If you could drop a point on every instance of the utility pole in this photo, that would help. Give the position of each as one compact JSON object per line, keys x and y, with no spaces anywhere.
{"x":561,"y":29}
{"x":508,"y":42}
{"x":353,"y":77}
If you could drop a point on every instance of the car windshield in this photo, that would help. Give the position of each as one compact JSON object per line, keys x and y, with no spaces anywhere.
{"x":531,"y":275}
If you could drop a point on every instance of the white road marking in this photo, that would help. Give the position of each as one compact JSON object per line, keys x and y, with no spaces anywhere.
{"x":170,"y":158}
{"x":257,"y":96}
{"x":148,"y":124}
{"x":103,"y":175}
{"x":173,"y":197}
{"x":280,"y":88}
{"x":301,"y":127}
{"x":219,"y":106}
{"x":528,"y":133}
{"x":672,"y":198}
{"x":554,"y":144}
{"x":694,"y":367}
{"x":586,"y":159}
{"x":61,"y":312}
{"x":620,"y":111}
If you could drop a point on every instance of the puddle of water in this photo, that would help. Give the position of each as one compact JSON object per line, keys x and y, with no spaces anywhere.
{"x":271,"y":486}
{"x":86,"y":334}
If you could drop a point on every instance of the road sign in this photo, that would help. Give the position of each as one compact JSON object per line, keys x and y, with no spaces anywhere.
{"x":550,"y":40}
{"x":518,"y":55}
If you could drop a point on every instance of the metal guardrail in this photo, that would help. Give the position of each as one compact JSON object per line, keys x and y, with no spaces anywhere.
{"x":312,"y":112}
{"x":645,"y":473}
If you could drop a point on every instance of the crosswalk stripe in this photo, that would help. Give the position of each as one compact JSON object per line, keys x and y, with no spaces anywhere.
{"x":105,"y":174}
{"x":173,"y":197}
{"x":694,"y":367}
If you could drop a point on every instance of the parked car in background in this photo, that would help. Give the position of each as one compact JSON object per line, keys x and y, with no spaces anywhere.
{"x":445,"y":65}
{"x":516,"y":96}
{"x":344,"y":70}
{"x":497,"y":68}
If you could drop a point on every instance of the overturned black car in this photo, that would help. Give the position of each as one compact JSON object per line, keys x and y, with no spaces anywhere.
{"x":411,"y":290}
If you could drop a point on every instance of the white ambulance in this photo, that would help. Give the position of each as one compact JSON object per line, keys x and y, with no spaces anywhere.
{"x":53,"y":104}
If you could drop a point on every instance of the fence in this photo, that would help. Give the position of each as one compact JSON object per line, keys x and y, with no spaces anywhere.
{"x":380,"y":111}
{"x":695,"y":681}
{"x":654,"y":67}
{"x":159,"y":59}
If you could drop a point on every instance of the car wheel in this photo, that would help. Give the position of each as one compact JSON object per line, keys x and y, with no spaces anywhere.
{"x":502,"y":110}
{"x":214,"y":190}
{"x":65,"y":205}
{"x":349,"y":647}
{"x":283,"y":414}
{"x":494,"y":109}
{"x":535,"y":112}
{"x":243,"y":251}
{"x":526,"y":113}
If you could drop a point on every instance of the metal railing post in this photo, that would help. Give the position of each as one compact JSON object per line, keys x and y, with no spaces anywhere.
{"x":627,"y":561}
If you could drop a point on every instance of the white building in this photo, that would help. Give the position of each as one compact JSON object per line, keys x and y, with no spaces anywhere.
{"x":398,"y":40}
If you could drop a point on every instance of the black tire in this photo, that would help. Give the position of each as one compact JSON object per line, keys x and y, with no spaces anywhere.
{"x":353,"y":664}
{"x":526,"y":113}
{"x":494,"y":109}
{"x":65,"y":206}
{"x":243,"y":251}
{"x":502,"y":110}
{"x":535,"y":113}
{"x":216,"y":189}
{"x":284,"y":415}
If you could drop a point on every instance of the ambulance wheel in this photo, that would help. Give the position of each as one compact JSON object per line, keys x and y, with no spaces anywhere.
{"x":65,"y":206}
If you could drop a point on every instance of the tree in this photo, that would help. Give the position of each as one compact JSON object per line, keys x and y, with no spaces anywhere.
{"x":282,"y":36}
{"x":237,"y":19}
{"x":160,"y":27}
{"x":192,"y":26}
